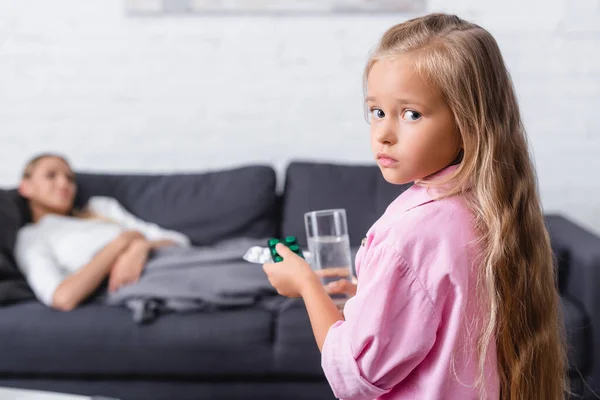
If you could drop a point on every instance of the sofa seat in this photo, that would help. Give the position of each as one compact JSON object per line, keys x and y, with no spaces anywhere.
{"x":296,"y":352}
{"x":96,"y":340}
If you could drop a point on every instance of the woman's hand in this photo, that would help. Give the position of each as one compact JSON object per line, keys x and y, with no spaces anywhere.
{"x":78,"y":286}
{"x":129,"y":265}
{"x":158,"y":244}
{"x":128,"y":237}
{"x":291,"y":275}
{"x":342,"y":285}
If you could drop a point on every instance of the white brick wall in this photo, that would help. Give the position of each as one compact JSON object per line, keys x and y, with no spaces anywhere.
{"x":116,"y":93}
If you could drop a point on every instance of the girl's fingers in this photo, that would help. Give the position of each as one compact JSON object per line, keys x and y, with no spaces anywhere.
{"x":284,"y":251}
{"x":340,"y":287}
{"x":336,"y":287}
{"x":341,"y":272}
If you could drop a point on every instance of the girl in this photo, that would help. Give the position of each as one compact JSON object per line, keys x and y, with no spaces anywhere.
{"x":456,"y":296}
{"x":66,"y":254}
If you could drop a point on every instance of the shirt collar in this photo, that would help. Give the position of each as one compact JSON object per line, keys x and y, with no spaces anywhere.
{"x":418,"y":194}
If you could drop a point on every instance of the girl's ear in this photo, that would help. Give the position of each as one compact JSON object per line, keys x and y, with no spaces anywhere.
{"x":25,"y":189}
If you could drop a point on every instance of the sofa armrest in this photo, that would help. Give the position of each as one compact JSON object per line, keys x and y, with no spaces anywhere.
{"x":583,"y":281}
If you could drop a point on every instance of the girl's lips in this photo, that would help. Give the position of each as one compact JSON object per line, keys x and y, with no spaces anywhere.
{"x":385,"y":161}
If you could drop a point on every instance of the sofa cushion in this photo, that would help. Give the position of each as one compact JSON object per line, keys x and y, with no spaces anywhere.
{"x":208,"y":207}
{"x":361,"y":190}
{"x":99,"y":340}
{"x":562,"y":259}
{"x":579,"y":336}
{"x":13,"y":286}
{"x":9,"y":220}
{"x":296,"y":351}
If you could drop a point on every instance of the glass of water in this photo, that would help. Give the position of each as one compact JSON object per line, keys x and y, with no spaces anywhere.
{"x":329,"y":245}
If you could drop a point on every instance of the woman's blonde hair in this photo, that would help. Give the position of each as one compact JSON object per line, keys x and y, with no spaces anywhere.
{"x":30,"y":168}
{"x":496,"y":175}
{"x":33,"y":162}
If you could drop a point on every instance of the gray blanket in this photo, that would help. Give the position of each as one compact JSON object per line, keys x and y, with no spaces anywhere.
{"x":192,"y":279}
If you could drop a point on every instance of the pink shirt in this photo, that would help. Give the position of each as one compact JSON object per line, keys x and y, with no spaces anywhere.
{"x":408,"y":333}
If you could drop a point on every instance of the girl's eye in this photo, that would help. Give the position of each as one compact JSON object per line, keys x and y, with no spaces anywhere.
{"x":410,"y":115}
{"x":50,"y":175}
{"x":377,"y":113}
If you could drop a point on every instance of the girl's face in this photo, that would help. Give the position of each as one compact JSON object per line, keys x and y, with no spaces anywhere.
{"x":413,"y":134}
{"x":51,"y":185}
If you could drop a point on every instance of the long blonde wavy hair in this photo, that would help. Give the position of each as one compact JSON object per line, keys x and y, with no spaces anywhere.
{"x":496,"y":175}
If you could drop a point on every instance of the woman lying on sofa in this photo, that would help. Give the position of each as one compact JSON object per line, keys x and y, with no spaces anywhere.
{"x":64,"y":253}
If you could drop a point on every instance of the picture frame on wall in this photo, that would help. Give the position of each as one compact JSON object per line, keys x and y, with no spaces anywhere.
{"x":291,"y":7}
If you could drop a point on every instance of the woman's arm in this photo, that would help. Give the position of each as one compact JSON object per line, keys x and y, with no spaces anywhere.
{"x":129,"y":265}
{"x":78,"y":286}
{"x":157,"y":236}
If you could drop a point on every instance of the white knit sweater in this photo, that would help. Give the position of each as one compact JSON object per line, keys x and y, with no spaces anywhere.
{"x":50,"y":250}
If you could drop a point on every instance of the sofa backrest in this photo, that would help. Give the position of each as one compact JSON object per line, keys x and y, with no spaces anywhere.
{"x":212,"y":206}
{"x":359,"y":189}
{"x":207,"y":207}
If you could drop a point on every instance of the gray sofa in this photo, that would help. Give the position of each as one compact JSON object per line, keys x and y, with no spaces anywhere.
{"x":251,"y":353}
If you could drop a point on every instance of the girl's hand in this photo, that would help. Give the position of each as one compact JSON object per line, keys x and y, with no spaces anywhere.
{"x":291,"y":275}
{"x":342,"y":285}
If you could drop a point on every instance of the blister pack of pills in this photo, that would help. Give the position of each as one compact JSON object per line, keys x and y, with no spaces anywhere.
{"x":258,"y":255}
{"x":262,"y":255}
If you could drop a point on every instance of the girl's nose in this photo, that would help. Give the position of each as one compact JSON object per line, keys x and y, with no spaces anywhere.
{"x":387,"y":133}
